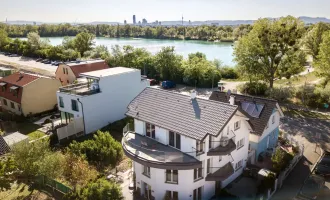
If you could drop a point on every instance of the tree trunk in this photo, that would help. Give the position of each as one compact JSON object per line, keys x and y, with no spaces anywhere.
{"x":271,"y":83}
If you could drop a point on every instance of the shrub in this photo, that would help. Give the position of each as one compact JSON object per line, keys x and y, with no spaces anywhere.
{"x":281,"y":160}
{"x":281,"y":94}
{"x":253,"y":88}
{"x":229,"y":73}
{"x":312,"y":96}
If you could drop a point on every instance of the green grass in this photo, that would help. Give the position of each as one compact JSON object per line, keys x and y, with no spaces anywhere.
{"x":35,"y":135}
{"x":298,"y":80}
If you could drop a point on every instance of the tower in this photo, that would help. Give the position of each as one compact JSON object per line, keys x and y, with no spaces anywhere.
{"x":134,"y":19}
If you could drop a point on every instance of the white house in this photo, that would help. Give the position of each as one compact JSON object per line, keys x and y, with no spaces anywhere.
{"x":264,"y":117}
{"x":184,"y":147}
{"x":102,"y":99}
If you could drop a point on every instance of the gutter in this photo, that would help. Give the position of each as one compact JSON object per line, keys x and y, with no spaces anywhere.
{"x":82,"y":110}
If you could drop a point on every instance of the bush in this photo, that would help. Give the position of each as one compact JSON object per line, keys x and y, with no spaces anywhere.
{"x":229,"y":73}
{"x":253,"y":88}
{"x":281,"y":160}
{"x":281,"y":94}
{"x":313,"y":96}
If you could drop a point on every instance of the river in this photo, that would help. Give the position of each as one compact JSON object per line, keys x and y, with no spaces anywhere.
{"x":222,"y":50}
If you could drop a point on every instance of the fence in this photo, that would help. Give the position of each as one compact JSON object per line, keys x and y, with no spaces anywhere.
{"x":72,"y":128}
{"x":53,"y":184}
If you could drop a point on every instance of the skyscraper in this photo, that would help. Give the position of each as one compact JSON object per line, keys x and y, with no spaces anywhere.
{"x":125,"y":22}
{"x":134,"y":19}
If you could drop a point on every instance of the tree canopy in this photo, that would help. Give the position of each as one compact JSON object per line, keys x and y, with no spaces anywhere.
{"x":313,"y":38}
{"x":323,"y":61}
{"x":270,"y":47}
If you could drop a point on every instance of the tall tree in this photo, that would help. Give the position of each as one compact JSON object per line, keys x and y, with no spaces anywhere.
{"x":313,"y":38}
{"x":3,"y":38}
{"x":263,"y":49}
{"x":323,"y":59}
{"x":84,"y":42}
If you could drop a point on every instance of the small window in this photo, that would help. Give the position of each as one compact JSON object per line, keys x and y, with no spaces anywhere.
{"x":146,"y":171}
{"x":19,"y":107}
{"x":240,"y":143}
{"x":171,"y":176}
{"x":67,"y":81}
{"x":67,"y":71}
{"x":238,"y":165}
{"x":74,"y":105}
{"x":63,"y":70}
{"x":198,"y":174}
{"x":208,"y":166}
{"x":197,"y":194}
{"x":199,"y":147}
{"x":12,"y":105}
{"x":5,"y":102}
{"x":237,"y":125}
{"x":174,"y":140}
{"x":273,"y":119}
{"x":173,"y":195}
{"x":61,"y":102}
{"x":151,"y":130}
{"x":3,"y":88}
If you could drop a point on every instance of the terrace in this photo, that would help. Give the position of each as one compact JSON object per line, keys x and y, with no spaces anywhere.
{"x":82,"y":89}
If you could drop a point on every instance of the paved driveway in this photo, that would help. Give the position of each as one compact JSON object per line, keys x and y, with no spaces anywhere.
{"x":304,"y":131}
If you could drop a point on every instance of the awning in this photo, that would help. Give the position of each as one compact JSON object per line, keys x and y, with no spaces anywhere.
{"x":13,"y":87}
{"x":3,"y":84}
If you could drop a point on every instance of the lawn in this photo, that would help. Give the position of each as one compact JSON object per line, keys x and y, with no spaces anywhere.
{"x":304,"y":114}
{"x":30,"y":129}
{"x":23,"y":191}
{"x":298,"y":80}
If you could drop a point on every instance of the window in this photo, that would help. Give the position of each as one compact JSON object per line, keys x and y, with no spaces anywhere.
{"x":173,"y":195}
{"x":5,"y":102}
{"x":237,"y":125}
{"x":74,"y":105}
{"x":198,"y":174}
{"x":210,"y":141}
{"x":199,"y":147}
{"x":18,"y":107}
{"x":67,"y":71}
{"x":273,"y":119}
{"x":208,"y":166}
{"x":171,"y":176}
{"x":63,"y":70}
{"x":238,"y":165}
{"x":3,"y":88}
{"x":151,"y":131}
{"x":240,"y":143}
{"x":61,"y":102}
{"x":12,"y":105}
{"x":197,"y":194}
{"x":174,"y":140}
{"x":146,"y":171}
{"x":67,"y":81}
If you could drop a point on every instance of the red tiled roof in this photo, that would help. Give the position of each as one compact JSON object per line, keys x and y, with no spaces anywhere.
{"x":16,"y":79}
{"x":88,"y":67}
{"x":19,"y":79}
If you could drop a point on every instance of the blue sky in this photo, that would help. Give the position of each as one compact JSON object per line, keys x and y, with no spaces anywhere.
{"x":162,"y":10}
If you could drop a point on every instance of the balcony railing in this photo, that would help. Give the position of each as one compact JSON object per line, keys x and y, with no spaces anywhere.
{"x":223,"y":147}
{"x":220,"y":173}
{"x":79,"y":89}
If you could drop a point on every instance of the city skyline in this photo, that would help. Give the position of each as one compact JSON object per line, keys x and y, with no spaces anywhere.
{"x":114,"y":11}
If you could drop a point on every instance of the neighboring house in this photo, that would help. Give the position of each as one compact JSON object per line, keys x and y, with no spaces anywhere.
{"x":67,"y":73}
{"x":5,"y":71}
{"x":184,"y":147}
{"x":264,"y":118}
{"x":26,"y":94}
{"x":103,"y":99}
{"x":4,"y":148}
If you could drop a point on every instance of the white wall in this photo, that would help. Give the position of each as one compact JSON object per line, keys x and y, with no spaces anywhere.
{"x":271,"y":126}
{"x":67,"y":103}
{"x":139,"y":126}
{"x":110,"y":105}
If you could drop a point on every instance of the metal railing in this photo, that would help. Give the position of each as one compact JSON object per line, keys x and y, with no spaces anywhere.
{"x":84,"y":87}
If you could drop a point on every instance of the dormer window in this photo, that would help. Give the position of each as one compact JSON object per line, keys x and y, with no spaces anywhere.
{"x":14,"y":90}
{"x":3,"y":86}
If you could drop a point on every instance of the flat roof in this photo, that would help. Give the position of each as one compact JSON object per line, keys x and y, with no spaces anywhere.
{"x":14,"y":138}
{"x":81,"y":62}
{"x":5,"y":69}
{"x":108,"y":72}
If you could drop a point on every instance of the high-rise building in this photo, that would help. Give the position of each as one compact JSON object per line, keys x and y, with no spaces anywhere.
{"x":134,"y":19}
{"x":125,"y":22}
{"x":144,"y":21}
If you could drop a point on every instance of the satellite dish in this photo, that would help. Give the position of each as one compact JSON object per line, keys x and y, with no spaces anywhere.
{"x":228,"y":92}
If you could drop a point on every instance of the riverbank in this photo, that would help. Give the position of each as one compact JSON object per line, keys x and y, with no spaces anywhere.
{"x":27,"y":65}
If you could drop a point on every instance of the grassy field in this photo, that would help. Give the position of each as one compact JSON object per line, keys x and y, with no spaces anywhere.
{"x":30,"y":129}
{"x":298,"y":80}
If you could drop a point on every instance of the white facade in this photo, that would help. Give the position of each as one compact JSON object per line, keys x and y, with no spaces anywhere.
{"x":186,"y":184}
{"x":117,"y":88}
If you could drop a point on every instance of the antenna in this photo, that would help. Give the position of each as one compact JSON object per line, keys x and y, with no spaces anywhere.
{"x":182,"y":19}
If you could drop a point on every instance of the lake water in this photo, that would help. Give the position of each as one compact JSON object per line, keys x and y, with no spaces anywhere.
{"x":222,"y":51}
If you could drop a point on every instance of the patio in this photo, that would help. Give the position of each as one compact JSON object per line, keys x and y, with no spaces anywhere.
{"x":243,"y":187}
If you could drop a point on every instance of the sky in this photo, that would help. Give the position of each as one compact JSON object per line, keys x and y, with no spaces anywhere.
{"x":161,"y":10}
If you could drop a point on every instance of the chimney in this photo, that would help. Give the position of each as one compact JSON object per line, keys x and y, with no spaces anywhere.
{"x":232,"y":100}
{"x":193,"y":94}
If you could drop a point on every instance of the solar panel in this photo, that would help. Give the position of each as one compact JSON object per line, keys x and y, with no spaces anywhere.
{"x":253,"y":109}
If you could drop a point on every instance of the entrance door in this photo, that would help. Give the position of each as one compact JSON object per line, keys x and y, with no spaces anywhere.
{"x":147,"y":191}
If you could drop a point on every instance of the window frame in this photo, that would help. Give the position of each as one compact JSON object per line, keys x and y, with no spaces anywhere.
{"x":200,"y":147}
{"x":76,"y":105}
{"x":208,"y":165}
{"x":151,"y":130}
{"x":175,"y":144}
{"x":198,"y":193}
{"x":5,"y":102}
{"x":238,"y":165}
{"x":170,"y":194}
{"x":146,"y":171}
{"x":12,"y":105}
{"x":240,"y":143}
{"x":273,"y":119}
{"x":238,"y":126}
{"x":61,"y":101}
{"x":172,"y":173}
{"x":198,"y":174}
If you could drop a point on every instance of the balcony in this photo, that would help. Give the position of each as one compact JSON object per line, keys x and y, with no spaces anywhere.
{"x":82,"y":89}
{"x":149,"y":152}
{"x":220,"y":173}
{"x":224,"y":147}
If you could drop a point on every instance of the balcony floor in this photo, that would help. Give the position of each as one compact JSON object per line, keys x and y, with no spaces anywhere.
{"x":220,"y":150}
{"x":150,"y":150}
{"x":221,"y":174}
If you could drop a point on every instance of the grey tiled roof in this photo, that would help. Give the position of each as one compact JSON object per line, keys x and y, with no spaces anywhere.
{"x":178,"y":113}
{"x":4,"y":148}
{"x":258,"y":124}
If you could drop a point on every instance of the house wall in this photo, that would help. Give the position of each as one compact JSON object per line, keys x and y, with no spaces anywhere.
{"x":269,"y":137}
{"x":39,"y":96}
{"x":186,"y":183}
{"x":110,"y":105}
{"x":8,"y":107}
{"x":65,"y":79}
